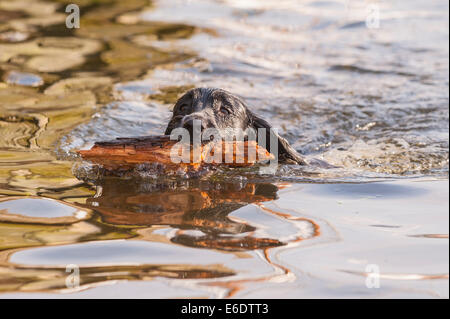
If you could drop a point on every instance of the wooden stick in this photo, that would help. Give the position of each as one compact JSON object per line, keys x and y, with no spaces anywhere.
{"x":125,"y":153}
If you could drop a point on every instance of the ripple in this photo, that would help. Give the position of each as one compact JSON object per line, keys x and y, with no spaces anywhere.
{"x":39,"y":210}
{"x":22,"y":78}
{"x":118,"y":252}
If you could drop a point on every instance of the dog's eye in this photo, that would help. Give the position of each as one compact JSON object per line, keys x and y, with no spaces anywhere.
{"x":183,"y":108}
{"x":224,"y":111}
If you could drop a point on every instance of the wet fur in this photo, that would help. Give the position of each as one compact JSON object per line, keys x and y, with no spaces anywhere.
{"x":219,"y":109}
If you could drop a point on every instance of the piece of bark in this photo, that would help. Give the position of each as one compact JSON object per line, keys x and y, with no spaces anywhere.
{"x":126,"y":153}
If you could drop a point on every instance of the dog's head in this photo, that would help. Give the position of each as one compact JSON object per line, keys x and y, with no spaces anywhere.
{"x":224,"y":112}
{"x":213,"y":108}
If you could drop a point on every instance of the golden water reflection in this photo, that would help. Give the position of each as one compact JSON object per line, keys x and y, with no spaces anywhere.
{"x":171,"y":216}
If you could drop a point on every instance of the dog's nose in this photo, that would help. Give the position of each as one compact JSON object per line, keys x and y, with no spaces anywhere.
{"x":195,"y":127}
{"x":197,"y":123}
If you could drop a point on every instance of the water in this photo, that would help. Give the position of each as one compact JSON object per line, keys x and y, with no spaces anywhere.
{"x":375,"y":99}
{"x":371,"y":100}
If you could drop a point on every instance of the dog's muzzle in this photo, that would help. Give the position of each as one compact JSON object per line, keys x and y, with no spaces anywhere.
{"x":195,"y":125}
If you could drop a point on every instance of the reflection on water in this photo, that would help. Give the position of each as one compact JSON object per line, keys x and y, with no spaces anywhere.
{"x":347,"y":190}
{"x":42,"y":208}
{"x":372,"y":101}
{"x":153,"y":216}
{"x":200,"y":206}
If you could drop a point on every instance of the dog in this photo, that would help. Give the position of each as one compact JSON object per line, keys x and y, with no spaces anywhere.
{"x":221,"y":110}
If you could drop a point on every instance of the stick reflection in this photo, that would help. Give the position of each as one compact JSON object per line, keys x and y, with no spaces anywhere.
{"x":200,"y":206}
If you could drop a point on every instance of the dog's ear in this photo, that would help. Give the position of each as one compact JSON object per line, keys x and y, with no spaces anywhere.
{"x":286,"y":153}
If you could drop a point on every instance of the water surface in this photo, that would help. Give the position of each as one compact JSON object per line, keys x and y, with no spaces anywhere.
{"x":370,"y":99}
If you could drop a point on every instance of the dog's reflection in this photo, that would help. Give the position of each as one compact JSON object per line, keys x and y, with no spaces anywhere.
{"x":197,"y":209}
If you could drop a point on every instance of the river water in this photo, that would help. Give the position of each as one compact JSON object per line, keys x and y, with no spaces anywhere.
{"x":363,"y":85}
